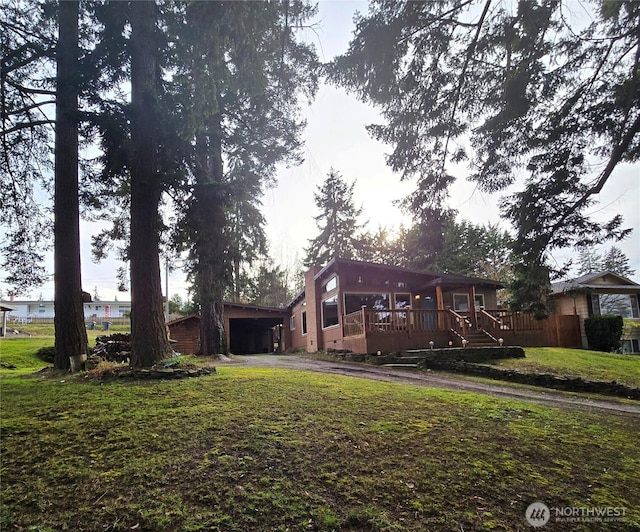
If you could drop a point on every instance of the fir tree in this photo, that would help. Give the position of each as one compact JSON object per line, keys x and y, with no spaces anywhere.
{"x":338,"y":222}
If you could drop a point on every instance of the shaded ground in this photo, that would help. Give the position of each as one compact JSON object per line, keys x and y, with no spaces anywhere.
{"x":435,"y":380}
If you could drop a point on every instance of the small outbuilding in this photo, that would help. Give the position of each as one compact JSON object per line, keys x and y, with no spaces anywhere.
{"x":250,"y":329}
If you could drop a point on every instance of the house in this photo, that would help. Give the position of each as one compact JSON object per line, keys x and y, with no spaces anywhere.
{"x":366,"y":308}
{"x":601,"y":293}
{"x":26,"y":311}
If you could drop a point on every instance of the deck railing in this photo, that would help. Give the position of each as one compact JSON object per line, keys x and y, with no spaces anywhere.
{"x":389,"y":321}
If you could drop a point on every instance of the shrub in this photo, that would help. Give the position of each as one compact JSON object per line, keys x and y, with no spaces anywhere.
{"x":604,"y":332}
{"x":46,"y":354}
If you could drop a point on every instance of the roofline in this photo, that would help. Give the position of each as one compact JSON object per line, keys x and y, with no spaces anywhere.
{"x":445,"y":276}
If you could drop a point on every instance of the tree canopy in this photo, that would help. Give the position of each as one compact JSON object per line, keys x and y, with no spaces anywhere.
{"x":526,"y":90}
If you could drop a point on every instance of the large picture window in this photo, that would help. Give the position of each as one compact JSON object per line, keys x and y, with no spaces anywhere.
{"x":354,"y":302}
{"x":624,"y":305}
{"x":330,"y":312}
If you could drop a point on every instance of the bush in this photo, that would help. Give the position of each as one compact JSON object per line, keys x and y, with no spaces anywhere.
{"x":46,"y":354}
{"x":604,"y":332}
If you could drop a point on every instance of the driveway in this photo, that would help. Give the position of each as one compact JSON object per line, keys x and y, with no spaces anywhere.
{"x":435,"y":380}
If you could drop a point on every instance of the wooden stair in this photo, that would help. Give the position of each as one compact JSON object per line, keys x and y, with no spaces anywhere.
{"x":478,"y":338}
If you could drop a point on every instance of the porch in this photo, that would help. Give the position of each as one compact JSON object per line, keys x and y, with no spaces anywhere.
{"x":371,"y":330}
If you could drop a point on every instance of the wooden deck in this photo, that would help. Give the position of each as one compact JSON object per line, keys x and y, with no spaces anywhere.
{"x":371,"y":330}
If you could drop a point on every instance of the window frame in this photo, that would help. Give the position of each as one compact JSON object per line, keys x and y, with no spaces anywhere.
{"x":322,"y":311}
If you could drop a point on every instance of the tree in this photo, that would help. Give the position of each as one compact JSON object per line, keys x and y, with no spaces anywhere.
{"x":241,"y":91}
{"x":27,"y":98}
{"x":149,"y":341}
{"x":337,"y":222}
{"x":614,"y":260}
{"x":510,"y":88}
{"x":71,"y":334}
{"x":270,"y":286}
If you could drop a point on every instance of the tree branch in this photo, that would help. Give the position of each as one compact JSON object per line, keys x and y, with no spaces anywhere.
{"x":27,"y":125}
{"x":616,"y":156}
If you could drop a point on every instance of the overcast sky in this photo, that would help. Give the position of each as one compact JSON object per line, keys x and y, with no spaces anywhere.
{"x":336,"y":137}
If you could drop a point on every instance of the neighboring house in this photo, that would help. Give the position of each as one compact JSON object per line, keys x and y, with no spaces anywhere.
{"x":4,"y":310}
{"x":601,"y":293}
{"x":366,"y":308}
{"x":26,"y":311}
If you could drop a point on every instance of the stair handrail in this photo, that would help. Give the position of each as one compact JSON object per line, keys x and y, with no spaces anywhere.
{"x":462,"y":322}
{"x":491,"y":316}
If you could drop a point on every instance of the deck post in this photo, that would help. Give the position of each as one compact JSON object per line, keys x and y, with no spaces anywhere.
{"x":472,"y":307}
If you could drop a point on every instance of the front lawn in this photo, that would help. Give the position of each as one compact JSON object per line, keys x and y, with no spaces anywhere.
{"x":265,"y":449}
{"x":590,"y":365}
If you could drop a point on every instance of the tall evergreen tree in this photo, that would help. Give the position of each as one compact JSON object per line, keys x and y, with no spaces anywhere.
{"x":27,"y":100}
{"x":241,"y":90}
{"x":338,"y":222}
{"x":512,"y":87}
{"x":28,"y":97}
{"x":149,"y":341}
{"x":71,"y":333}
{"x":616,"y":261}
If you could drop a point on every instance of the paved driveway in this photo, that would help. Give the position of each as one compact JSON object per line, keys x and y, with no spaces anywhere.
{"x":435,"y":380}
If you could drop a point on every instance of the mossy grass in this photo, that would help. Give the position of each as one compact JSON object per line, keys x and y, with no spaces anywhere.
{"x":590,"y":365}
{"x":269,"y":449}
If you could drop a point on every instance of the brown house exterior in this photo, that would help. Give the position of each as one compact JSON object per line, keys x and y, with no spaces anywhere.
{"x":366,"y":308}
{"x":601,"y":293}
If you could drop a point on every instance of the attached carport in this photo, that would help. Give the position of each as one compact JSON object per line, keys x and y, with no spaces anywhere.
{"x":254,"y":329}
{"x":250,"y":329}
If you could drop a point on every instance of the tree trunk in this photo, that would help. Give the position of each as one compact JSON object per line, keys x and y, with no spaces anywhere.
{"x":210,"y":242}
{"x":70,"y":331}
{"x":149,"y":341}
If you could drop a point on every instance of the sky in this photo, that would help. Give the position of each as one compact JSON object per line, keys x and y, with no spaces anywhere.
{"x":336,"y":138}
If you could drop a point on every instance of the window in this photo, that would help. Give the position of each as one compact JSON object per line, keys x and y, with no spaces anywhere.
{"x":354,"y":302}
{"x":332,"y":284}
{"x":402,"y":301}
{"x":631,"y":346}
{"x":292,"y":322}
{"x":330,"y":312}
{"x":304,"y":322}
{"x":624,"y":305}
{"x":461,"y":302}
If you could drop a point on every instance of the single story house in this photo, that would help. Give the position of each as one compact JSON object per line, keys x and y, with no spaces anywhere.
{"x":366,"y":308}
{"x":26,"y":311}
{"x":601,"y":293}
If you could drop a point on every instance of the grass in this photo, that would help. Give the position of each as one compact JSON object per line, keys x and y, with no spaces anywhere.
{"x":590,"y":365}
{"x":264,"y":449}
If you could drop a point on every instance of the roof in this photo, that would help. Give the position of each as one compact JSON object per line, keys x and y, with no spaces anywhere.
{"x":429,"y":278}
{"x":275,"y":310}
{"x":421,"y":273}
{"x":6,"y":308}
{"x":586,"y":282}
